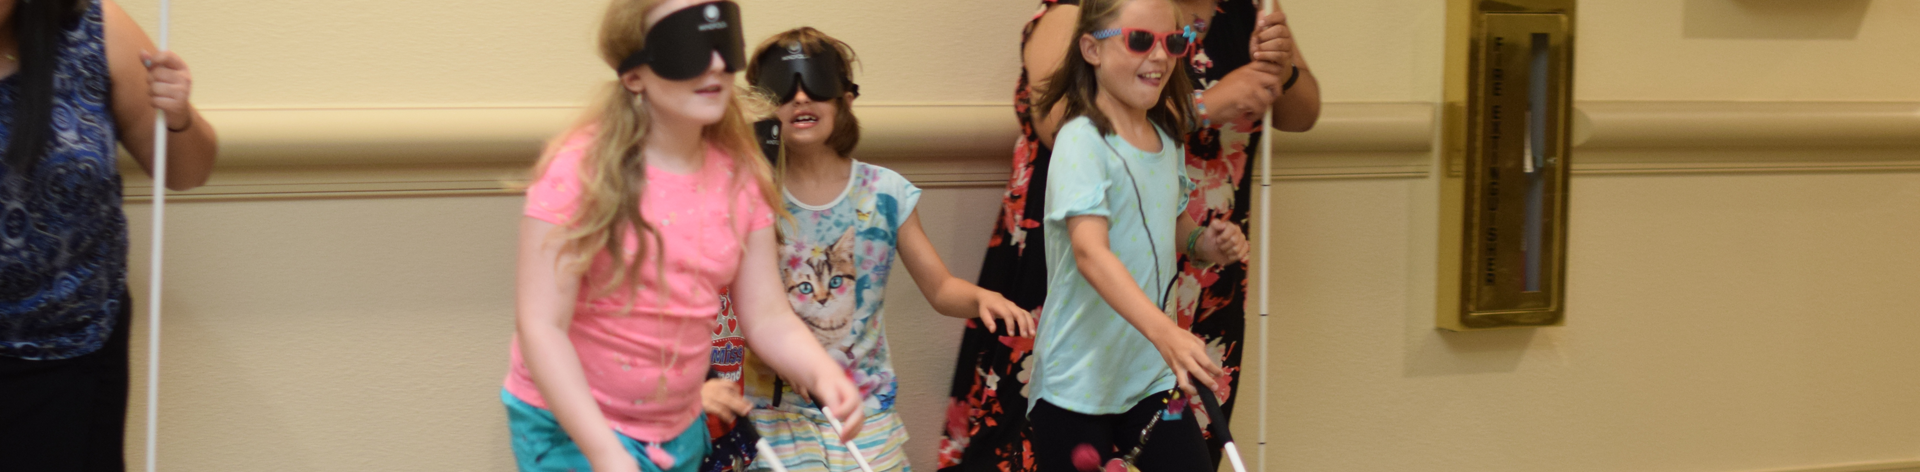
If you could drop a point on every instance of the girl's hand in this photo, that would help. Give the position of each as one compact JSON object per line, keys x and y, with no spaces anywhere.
{"x":1187,"y":355}
{"x":801,"y":390}
{"x":171,"y":84}
{"x":992,"y":304}
{"x":1223,"y":243}
{"x":834,"y":392}
{"x":721,"y":399}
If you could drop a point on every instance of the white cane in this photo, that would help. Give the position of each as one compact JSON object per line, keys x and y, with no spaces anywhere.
{"x":153,"y":279}
{"x":1266,"y":257}
{"x":766,"y":452}
{"x":852,"y":446}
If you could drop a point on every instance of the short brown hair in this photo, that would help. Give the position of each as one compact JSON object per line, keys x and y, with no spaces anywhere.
{"x":846,"y":128}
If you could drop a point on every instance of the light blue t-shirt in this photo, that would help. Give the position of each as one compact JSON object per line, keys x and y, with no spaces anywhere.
{"x":1088,"y":359}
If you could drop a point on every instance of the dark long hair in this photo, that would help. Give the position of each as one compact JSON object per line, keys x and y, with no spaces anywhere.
{"x":1077,"y":83}
{"x":37,"y":27}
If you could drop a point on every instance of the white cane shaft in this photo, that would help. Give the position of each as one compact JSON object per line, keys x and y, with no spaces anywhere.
{"x":153,"y":278}
{"x":153,"y":283}
{"x":1266,"y":280}
{"x":852,"y":446}
{"x":1233,"y":456}
{"x":767,"y":454}
{"x":1266,"y":274}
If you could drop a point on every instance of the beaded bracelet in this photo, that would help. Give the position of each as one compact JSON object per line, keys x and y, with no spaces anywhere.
{"x":1200,"y":104}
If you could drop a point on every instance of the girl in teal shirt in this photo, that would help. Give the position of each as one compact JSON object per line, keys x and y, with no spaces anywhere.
{"x":1113,"y":221}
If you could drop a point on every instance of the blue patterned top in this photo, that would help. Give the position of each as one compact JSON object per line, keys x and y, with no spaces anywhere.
{"x":835,"y":261}
{"x":63,"y":237}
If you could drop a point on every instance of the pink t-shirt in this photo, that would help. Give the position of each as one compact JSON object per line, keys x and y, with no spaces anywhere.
{"x":704,"y":218}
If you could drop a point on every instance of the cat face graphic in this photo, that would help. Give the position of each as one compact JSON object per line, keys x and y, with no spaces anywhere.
{"x":820,"y":286}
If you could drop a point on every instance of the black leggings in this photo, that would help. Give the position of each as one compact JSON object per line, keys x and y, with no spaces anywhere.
{"x":70,"y":414}
{"x":1174,"y":446}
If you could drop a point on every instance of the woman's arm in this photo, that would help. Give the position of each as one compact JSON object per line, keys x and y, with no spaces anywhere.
{"x":948,"y":294}
{"x":543,"y":310}
{"x":138,"y":88}
{"x":1182,"y":350}
{"x":1046,"y":48}
{"x":780,"y":339}
{"x":1243,"y":94}
{"x":1298,"y":110}
{"x":1295,"y":109}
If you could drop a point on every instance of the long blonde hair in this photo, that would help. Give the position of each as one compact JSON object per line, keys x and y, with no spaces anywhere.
{"x":613,"y":171}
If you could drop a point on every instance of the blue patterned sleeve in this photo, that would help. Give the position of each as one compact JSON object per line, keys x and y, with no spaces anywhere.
{"x":1077,"y":176}
{"x":1188,"y":188}
{"x":902,"y":190}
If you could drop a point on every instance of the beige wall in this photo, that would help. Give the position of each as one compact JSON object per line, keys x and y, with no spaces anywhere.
{"x":1731,"y":309}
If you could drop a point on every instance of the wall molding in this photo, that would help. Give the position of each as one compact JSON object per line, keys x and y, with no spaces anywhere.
{"x":322,"y":152}
{"x":1624,"y":137}
{"x":1894,"y":466}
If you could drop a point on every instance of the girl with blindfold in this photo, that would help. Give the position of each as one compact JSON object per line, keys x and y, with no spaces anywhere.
{"x":850,"y":219}
{"x":638,"y":217}
{"x":1109,"y":355}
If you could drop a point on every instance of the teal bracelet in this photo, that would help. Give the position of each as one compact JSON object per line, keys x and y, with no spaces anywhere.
{"x":1193,"y":241}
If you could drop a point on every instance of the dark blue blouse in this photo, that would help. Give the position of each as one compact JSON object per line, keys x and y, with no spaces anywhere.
{"x":63,"y":236}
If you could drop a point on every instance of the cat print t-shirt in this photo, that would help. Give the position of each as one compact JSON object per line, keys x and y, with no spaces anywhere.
{"x":835,"y":260}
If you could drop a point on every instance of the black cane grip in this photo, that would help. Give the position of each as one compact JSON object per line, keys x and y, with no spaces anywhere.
{"x":1218,"y":420}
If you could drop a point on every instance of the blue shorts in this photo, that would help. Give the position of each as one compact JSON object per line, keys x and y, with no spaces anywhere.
{"x":541,"y":445}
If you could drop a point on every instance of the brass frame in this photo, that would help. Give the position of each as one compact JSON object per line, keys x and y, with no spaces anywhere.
{"x":1470,"y":247}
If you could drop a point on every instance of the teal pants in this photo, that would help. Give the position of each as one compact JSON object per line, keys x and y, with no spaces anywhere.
{"x":540,"y":445}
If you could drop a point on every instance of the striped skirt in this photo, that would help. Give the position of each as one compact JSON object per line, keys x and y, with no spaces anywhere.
{"x":805,"y":441}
